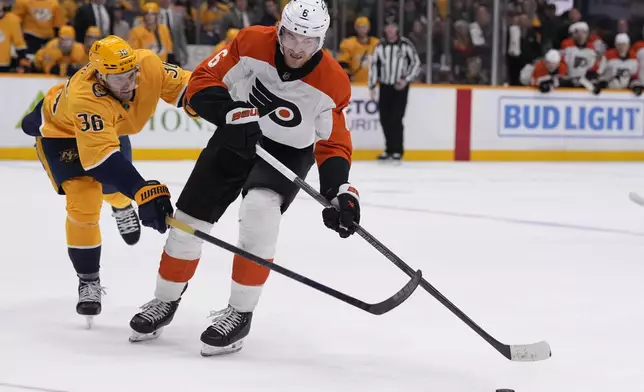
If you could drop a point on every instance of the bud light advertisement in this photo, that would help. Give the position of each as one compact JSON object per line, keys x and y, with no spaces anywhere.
{"x":557,"y":117}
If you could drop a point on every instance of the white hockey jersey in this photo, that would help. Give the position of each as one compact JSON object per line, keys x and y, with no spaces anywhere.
{"x":297,"y":110}
{"x":581,"y":59}
{"x":620,"y":70}
{"x":638,"y":51}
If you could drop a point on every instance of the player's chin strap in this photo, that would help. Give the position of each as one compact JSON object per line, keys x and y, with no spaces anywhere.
{"x":377,"y":309}
{"x":524,"y":352}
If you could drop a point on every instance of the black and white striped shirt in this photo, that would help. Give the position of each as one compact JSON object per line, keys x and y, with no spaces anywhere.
{"x":392,"y":62}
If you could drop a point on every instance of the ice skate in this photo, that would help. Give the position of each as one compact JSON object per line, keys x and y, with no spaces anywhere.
{"x":227,"y":332}
{"x":384,"y":157}
{"x":149,"y":323}
{"x":89,"y":299}
{"x":128,"y":224}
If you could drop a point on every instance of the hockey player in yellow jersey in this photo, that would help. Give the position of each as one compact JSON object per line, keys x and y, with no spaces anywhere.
{"x":41,"y":20}
{"x":152,"y":35}
{"x":355,"y":52}
{"x":81,"y":129}
{"x":61,"y":56}
{"x":10,"y":35}
{"x":230,"y":36}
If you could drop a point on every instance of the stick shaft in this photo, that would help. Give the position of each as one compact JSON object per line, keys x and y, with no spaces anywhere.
{"x":391,"y":256}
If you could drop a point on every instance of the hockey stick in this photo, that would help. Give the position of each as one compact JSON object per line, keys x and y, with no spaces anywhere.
{"x":522,"y":352}
{"x":377,"y":309}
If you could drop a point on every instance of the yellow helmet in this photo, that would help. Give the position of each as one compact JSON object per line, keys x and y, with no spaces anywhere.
{"x":94,"y":32}
{"x":362,"y":21}
{"x":112,"y":55}
{"x":151,"y":8}
{"x":231,"y":34}
{"x":67,"y":32}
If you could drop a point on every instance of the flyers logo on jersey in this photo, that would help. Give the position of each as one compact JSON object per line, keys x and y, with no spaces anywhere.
{"x":280,"y":111}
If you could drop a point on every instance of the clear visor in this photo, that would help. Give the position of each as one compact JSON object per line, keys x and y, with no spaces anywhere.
{"x":123,"y":82}
{"x":298,"y":43}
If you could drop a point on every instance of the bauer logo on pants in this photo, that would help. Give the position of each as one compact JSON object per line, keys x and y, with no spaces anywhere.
{"x":589,"y":118}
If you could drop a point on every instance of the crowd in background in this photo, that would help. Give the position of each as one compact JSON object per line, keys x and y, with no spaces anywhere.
{"x":461,"y":31}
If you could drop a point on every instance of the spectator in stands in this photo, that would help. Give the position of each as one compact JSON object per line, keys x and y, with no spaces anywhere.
{"x":271,"y":14}
{"x":94,"y":13}
{"x":411,"y":14}
{"x":175,"y":22}
{"x":239,"y":17}
{"x":355,"y":52}
{"x":230,"y":36}
{"x":41,"y":20}
{"x":523,"y":47}
{"x":152,"y":35}
{"x":62,"y":56}
{"x":121,"y":27}
{"x":418,"y":36}
{"x":212,"y":11}
{"x":481,"y":37}
{"x":189,"y":13}
{"x":550,"y":28}
{"x":462,"y":50}
{"x":11,"y":33}
{"x":69,"y":8}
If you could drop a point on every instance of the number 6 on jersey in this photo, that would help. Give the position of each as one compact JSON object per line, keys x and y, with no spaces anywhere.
{"x":217,"y":57}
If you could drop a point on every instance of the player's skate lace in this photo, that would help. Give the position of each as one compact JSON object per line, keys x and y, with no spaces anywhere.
{"x":225,"y":320}
{"x":91,"y":291}
{"x":155,"y":310}
{"x":126,"y":220}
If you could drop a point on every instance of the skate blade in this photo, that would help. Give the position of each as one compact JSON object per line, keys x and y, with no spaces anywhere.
{"x":211,"y":351}
{"x":142,"y":337}
{"x":89,"y":321}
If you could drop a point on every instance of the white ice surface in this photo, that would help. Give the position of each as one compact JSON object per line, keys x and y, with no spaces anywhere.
{"x":530,"y":251}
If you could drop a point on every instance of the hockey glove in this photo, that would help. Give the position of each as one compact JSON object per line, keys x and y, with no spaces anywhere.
{"x":599,"y":86}
{"x":346,"y":211}
{"x":592,"y":75}
{"x":153,"y":199}
{"x":637,"y":87}
{"x":545,"y":86}
{"x":242,"y":132}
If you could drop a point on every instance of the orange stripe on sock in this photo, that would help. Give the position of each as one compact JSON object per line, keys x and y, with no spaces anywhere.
{"x":248,"y":273}
{"x":177,"y":270}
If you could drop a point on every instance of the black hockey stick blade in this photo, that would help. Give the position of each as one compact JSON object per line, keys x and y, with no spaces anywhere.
{"x":522,"y":353}
{"x":377,"y":309}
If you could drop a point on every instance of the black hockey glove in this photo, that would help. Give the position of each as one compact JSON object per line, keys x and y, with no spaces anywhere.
{"x":346,"y":210}
{"x":153,"y":199}
{"x":637,"y":87}
{"x":546,"y":86}
{"x":242,"y":131}
{"x":592,"y":75}
{"x":599,"y":86}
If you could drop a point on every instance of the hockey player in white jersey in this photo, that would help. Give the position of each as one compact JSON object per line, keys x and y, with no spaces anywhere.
{"x":583,"y":53}
{"x":622,"y":66}
{"x":274,"y":82}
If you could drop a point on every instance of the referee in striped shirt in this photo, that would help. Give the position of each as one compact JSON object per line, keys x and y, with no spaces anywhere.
{"x":394,"y":65}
